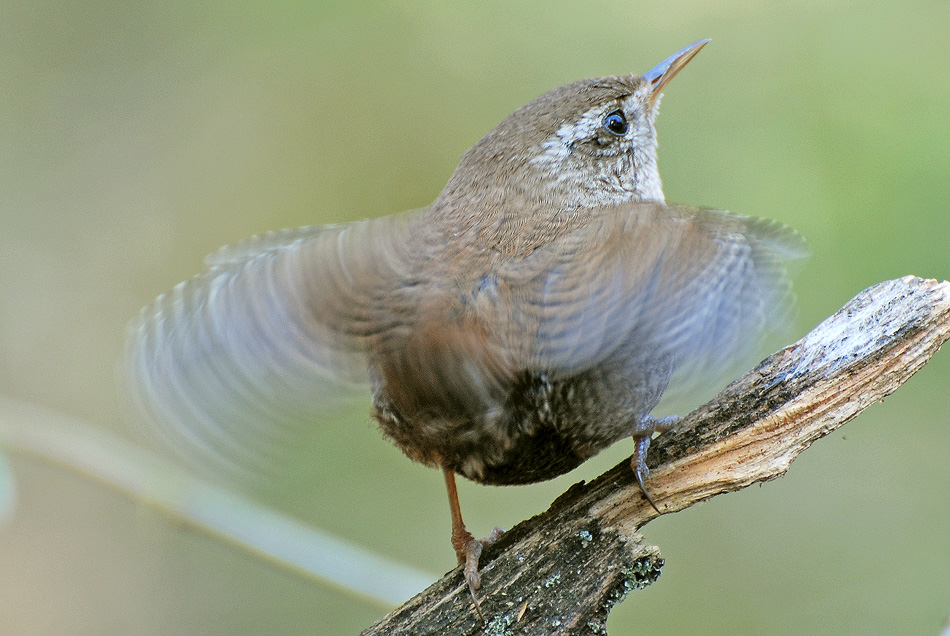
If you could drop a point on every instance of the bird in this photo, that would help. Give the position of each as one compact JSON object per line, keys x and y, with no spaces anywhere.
{"x":533,"y":315}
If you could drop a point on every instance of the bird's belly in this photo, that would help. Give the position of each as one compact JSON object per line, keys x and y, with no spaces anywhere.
{"x":527,"y":458}
{"x":482,"y":453}
{"x":543,"y":430}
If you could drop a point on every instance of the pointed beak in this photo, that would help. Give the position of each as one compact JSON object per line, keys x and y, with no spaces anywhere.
{"x":661,"y":74}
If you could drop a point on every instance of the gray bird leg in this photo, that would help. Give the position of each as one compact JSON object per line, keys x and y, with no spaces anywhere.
{"x":641,"y":440}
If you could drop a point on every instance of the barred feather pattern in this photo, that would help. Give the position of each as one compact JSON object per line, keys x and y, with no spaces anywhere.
{"x":566,"y":344}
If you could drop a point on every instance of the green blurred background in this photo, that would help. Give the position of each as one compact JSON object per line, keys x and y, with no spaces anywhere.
{"x":137,"y":137}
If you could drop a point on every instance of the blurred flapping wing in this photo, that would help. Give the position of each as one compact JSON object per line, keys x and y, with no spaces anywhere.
{"x":649,"y":286}
{"x":232,"y":365}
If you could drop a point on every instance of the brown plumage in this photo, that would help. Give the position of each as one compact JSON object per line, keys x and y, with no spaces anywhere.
{"x":533,"y":315}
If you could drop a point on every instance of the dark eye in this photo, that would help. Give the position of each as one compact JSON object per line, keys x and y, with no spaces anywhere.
{"x":616,"y":123}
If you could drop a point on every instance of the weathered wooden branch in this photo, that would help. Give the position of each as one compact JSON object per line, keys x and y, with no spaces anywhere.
{"x":563,"y":570}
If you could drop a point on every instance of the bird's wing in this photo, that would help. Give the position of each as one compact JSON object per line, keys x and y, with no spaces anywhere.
{"x":237,"y":362}
{"x":232,"y":364}
{"x":649,"y":284}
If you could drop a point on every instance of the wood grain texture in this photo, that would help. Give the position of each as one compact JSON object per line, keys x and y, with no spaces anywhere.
{"x":562,"y":571}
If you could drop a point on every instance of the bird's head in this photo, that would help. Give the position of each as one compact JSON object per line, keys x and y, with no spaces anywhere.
{"x":588,"y":143}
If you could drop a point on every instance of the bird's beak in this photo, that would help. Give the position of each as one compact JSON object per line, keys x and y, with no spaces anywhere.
{"x":661,"y":74}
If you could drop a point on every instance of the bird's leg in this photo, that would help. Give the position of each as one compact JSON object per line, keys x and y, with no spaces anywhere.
{"x":467,"y":548}
{"x":641,"y":443}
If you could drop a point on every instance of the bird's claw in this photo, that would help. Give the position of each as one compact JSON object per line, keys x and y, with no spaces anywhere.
{"x":641,"y":440}
{"x":469,"y":551}
{"x":641,"y":475}
{"x":638,"y":462}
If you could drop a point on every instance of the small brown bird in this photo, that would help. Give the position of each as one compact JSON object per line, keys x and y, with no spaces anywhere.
{"x":530,"y":317}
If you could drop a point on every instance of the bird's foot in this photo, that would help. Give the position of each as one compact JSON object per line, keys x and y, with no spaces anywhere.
{"x":662,"y":424}
{"x":469,"y":551}
{"x":641,"y":443}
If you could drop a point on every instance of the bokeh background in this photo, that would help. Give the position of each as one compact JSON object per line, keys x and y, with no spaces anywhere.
{"x":135,"y":137}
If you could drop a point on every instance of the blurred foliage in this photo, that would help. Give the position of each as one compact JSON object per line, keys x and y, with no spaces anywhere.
{"x":137,"y":137}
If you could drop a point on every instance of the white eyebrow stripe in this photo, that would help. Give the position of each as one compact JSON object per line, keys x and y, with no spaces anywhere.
{"x":557,"y":148}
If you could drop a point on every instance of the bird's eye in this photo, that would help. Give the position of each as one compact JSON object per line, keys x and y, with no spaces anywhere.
{"x":616,"y":123}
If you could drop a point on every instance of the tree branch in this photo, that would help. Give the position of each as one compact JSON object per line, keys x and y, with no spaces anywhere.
{"x":563,"y":570}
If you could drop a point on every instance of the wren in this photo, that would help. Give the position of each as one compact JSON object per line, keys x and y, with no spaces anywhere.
{"x":530,"y":317}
